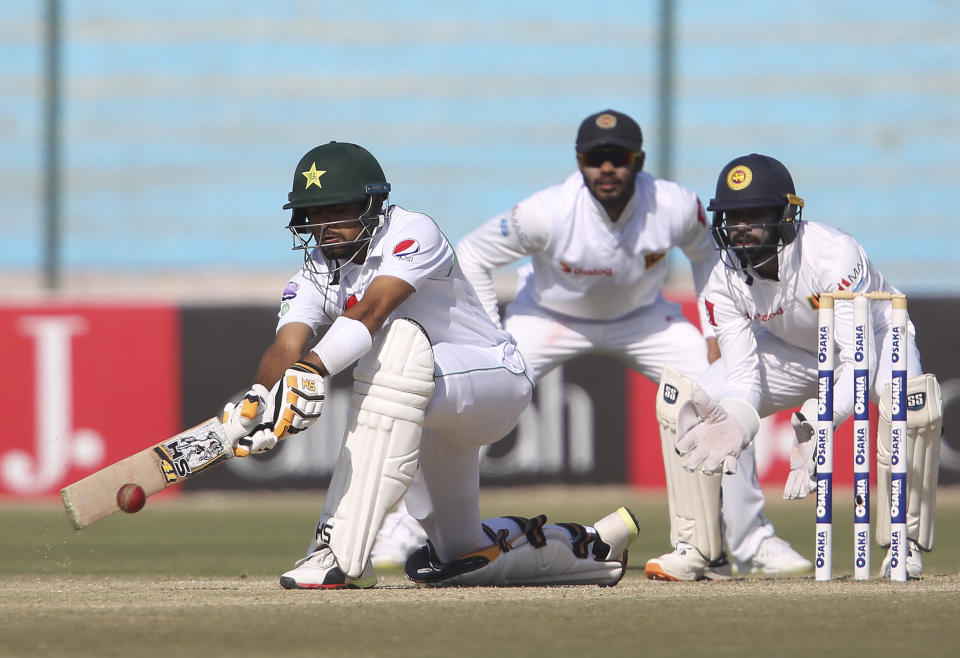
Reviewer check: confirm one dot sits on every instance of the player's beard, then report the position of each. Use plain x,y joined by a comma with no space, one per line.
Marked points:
344,251
616,196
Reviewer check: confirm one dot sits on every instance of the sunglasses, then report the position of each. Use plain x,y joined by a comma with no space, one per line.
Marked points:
616,157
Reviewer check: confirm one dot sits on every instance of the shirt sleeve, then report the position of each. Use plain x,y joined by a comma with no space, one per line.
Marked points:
500,241
416,250
738,342
843,265
700,249
303,300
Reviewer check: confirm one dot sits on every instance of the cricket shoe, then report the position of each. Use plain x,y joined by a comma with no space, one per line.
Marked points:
686,563
914,561
775,557
320,570
399,536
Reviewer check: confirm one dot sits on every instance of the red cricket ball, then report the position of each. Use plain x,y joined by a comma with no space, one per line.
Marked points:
131,498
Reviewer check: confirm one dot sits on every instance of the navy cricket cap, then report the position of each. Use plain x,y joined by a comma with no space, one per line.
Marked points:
609,128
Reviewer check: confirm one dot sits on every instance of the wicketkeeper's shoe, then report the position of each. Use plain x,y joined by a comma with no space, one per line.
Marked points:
320,570
775,557
914,561
686,563
399,536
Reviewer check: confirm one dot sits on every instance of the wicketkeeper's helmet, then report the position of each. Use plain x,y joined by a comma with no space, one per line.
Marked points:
756,181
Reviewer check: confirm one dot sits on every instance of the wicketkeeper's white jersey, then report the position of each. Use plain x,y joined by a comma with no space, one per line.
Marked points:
821,259
583,264
411,247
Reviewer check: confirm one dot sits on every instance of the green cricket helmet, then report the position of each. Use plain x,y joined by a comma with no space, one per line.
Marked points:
335,173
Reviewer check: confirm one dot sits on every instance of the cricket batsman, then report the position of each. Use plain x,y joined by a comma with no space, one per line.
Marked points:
434,380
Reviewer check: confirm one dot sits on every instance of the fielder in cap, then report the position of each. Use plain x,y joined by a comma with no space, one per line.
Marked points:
434,380
762,302
598,244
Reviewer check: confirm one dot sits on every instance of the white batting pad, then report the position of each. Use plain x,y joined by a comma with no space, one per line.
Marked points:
693,498
547,554
393,384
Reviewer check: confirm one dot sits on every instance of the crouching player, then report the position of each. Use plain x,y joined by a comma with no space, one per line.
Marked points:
762,300
435,379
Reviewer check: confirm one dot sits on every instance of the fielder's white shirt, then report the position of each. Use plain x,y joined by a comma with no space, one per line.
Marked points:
821,259
410,247
583,264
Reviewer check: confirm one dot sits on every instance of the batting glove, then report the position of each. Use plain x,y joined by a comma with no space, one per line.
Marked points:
242,418
293,404
803,477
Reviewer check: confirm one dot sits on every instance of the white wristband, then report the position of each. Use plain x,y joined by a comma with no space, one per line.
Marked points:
345,341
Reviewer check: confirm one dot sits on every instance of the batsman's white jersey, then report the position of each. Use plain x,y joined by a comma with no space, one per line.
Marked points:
768,329
481,380
410,247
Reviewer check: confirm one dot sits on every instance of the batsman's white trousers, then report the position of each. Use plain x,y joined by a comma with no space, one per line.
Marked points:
479,395
645,341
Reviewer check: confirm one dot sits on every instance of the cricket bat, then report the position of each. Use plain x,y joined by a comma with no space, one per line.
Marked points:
154,469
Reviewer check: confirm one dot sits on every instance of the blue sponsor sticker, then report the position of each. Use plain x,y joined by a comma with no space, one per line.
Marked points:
290,291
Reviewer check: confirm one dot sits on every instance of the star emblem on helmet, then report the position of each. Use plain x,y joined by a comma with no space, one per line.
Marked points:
313,176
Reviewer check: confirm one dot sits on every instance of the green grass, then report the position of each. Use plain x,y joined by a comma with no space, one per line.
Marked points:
198,576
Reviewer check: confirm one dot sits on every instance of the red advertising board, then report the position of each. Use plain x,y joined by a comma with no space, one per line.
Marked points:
772,446
83,386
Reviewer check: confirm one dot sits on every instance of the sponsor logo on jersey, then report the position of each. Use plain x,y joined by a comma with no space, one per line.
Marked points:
765,317
591,271
350,303
710,317
406,249
514,221
649,260
701,214
853,281
739,177
504,227
290,291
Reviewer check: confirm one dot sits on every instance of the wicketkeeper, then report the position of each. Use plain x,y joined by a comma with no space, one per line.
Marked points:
762,302
435,379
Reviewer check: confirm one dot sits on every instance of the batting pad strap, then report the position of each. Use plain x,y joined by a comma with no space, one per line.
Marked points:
345,341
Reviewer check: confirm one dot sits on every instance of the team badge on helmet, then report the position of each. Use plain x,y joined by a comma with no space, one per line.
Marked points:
739,177
313,176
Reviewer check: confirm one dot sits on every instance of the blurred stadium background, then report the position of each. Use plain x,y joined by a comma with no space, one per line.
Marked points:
179,125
